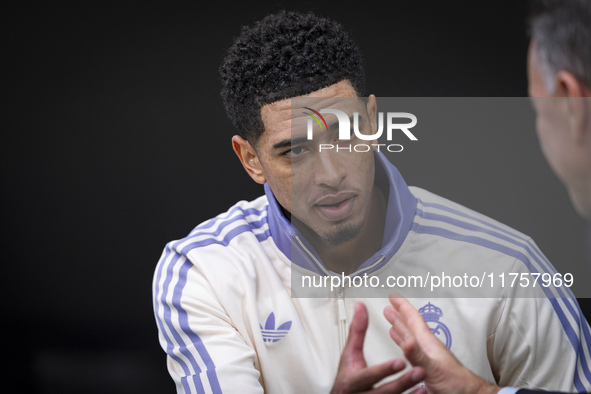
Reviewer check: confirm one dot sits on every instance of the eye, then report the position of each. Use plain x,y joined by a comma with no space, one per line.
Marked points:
295,151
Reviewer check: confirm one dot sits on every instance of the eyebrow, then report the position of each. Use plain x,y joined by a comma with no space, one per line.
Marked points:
289,142
295,141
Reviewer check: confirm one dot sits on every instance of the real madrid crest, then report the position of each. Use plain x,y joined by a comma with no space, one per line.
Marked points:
432,314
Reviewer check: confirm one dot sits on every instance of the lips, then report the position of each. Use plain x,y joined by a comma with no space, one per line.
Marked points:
336,208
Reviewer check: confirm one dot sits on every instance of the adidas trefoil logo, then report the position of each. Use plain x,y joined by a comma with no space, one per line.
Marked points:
272,334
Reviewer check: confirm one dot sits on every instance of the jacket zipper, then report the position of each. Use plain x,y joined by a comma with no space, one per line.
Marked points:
342,316
341,308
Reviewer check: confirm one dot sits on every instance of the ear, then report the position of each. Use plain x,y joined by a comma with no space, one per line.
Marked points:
567,85
576,108
372,110
249,159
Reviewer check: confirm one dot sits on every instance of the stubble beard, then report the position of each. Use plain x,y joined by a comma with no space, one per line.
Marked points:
342,234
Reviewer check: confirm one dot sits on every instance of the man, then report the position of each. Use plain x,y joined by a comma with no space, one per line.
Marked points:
223,295
559,75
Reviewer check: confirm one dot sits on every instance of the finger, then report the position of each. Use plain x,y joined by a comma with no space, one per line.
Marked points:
398,301
412,318
403,311
354,345
403,383
394,335
410,348
408,314
389,314
415,338
406,338
407,319
400,329
366,378
393,316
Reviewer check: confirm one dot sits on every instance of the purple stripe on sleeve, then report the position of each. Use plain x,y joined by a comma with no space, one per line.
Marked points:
183,320
472,227
227,238
472,217
167,266
245,212
534,252
537,257
170,344
183,317
223,225
570,332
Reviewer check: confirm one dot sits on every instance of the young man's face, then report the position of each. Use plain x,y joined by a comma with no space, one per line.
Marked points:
327,192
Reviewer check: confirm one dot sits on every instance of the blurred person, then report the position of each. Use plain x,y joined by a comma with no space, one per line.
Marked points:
559,77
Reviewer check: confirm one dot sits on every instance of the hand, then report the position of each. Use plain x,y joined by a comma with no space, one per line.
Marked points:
445,373
354,376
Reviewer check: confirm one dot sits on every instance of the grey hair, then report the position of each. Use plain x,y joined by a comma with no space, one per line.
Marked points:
561,30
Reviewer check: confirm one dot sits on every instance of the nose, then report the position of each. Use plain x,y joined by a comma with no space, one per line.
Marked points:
329,170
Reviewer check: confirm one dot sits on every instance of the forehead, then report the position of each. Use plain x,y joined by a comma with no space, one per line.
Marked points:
277,117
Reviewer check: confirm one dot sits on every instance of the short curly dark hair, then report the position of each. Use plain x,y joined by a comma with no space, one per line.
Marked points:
285,55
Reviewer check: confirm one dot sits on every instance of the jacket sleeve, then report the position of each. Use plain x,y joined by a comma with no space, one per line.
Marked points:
541,342
205,352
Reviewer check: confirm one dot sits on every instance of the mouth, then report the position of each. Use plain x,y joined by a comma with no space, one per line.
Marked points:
336,208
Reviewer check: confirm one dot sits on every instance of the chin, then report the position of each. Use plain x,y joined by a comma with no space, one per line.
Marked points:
343,234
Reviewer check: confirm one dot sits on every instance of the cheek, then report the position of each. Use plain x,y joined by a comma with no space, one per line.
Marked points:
279,179
546,138
553,146
360,172
546,130
541,131
365,166
282,190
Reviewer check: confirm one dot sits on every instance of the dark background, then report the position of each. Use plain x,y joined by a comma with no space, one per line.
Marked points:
115,142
